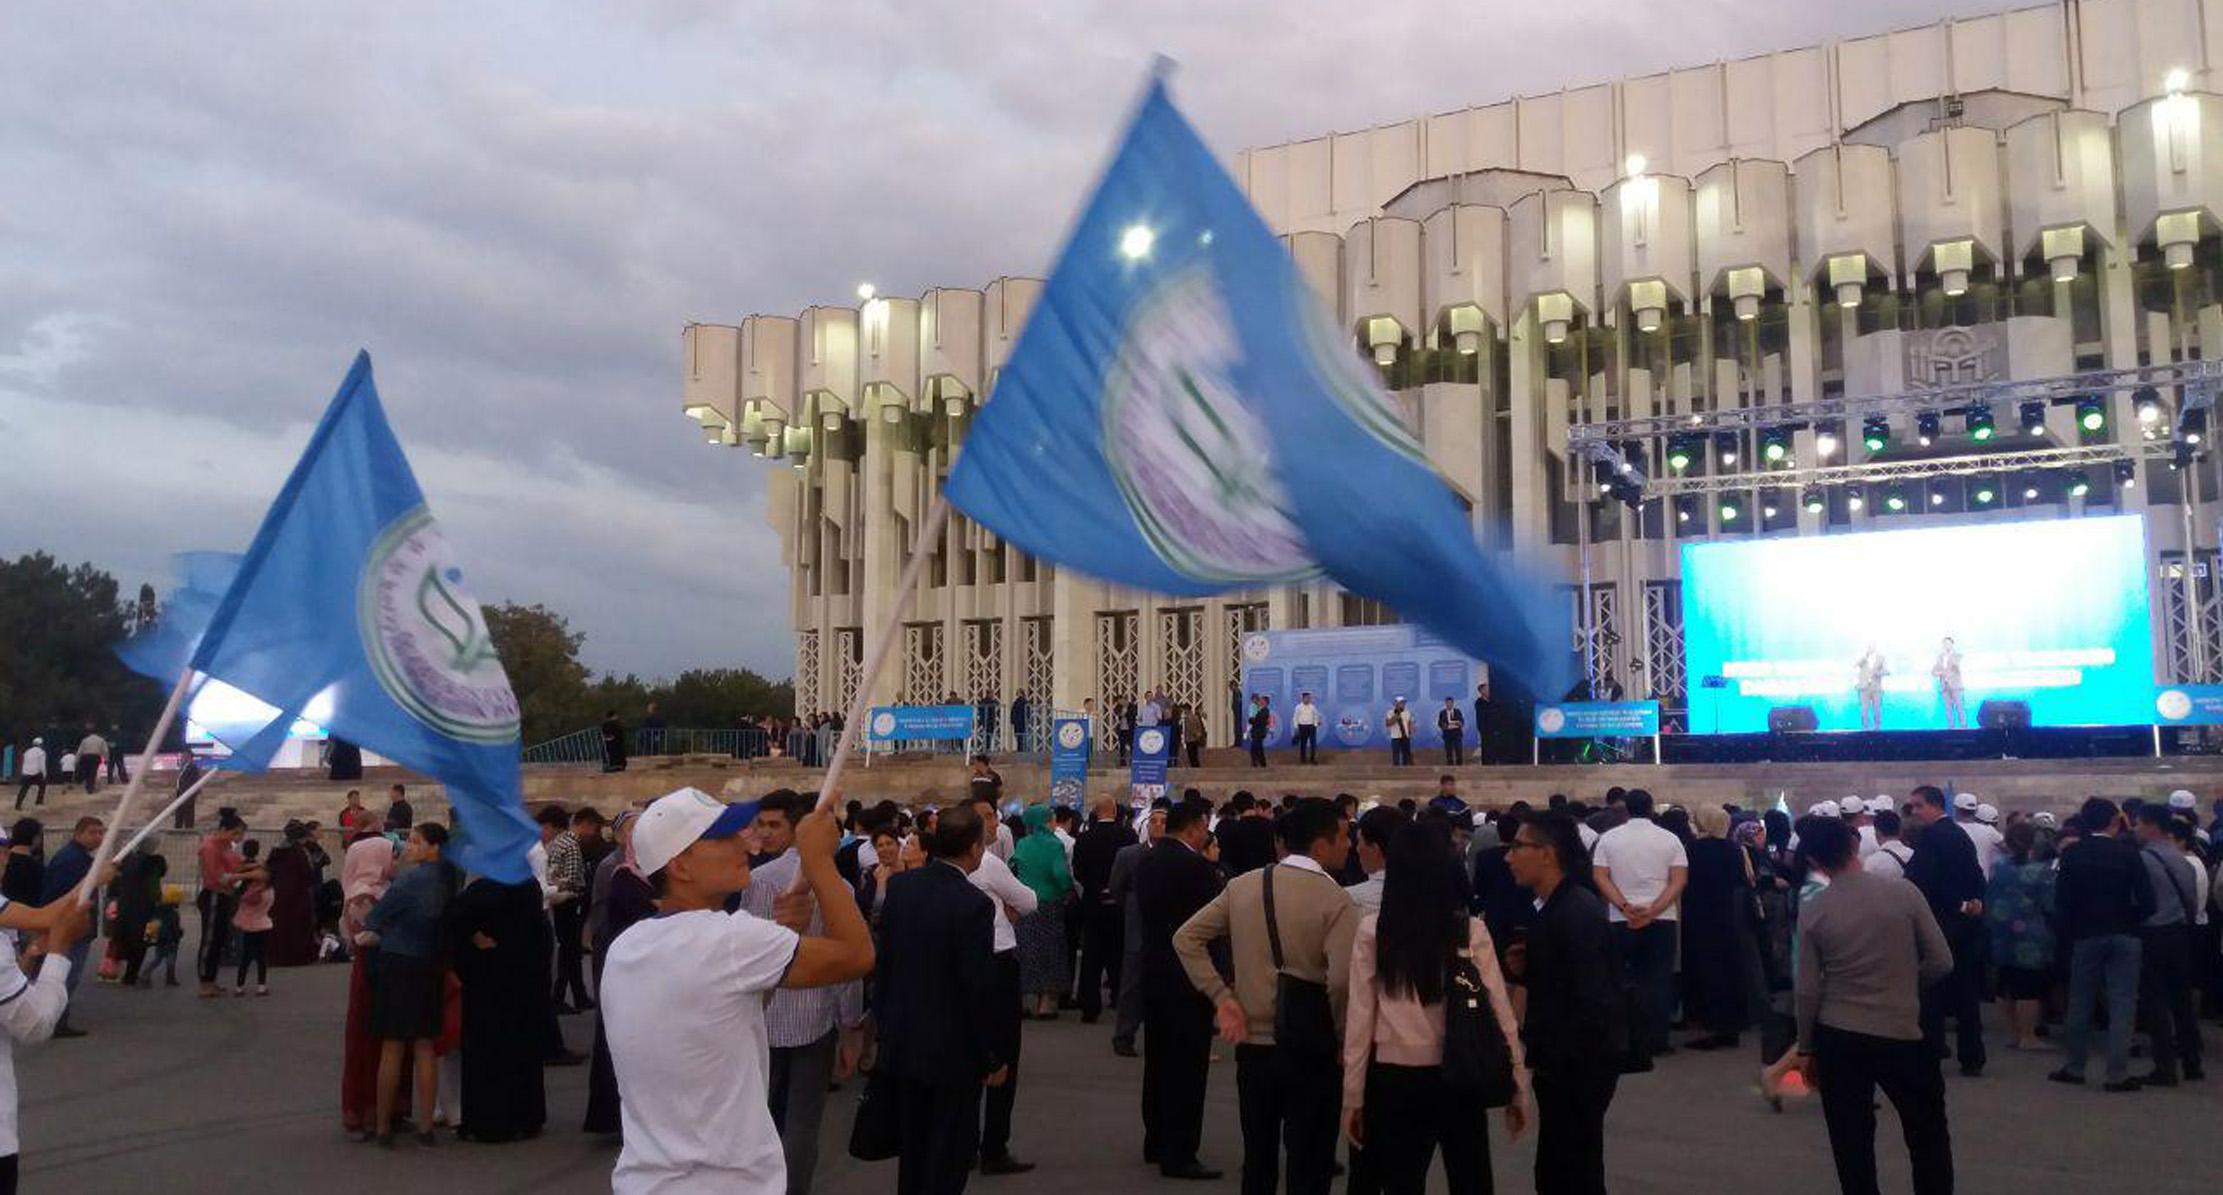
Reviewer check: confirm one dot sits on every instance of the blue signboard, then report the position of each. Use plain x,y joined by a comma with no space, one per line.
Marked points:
1354,675
2188,705
1069,747
896,723
1152,746
1598,720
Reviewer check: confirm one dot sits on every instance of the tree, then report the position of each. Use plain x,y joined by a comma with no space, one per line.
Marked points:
540,652
59,626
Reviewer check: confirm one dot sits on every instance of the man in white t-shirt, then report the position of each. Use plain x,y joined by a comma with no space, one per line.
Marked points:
683,998
1641,869
1989,841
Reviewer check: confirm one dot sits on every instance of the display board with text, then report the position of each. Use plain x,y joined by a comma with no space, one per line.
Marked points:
1355,676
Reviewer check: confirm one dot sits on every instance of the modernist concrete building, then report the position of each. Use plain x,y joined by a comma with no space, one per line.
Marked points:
2018,195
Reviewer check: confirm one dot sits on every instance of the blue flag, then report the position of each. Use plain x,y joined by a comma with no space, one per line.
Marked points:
165,649
1181,415
349,599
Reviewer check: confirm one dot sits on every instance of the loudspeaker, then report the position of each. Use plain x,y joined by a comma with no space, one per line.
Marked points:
1787,719
2003,715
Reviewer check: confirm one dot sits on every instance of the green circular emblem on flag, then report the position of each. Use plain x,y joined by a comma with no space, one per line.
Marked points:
427,639
1189,456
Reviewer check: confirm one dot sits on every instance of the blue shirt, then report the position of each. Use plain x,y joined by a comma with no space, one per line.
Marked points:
407,918
66,870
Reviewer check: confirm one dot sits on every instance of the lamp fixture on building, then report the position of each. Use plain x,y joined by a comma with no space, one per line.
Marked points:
1927,426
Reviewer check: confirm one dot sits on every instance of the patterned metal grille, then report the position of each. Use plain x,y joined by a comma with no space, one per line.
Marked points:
1242,619
922,663
806,673
984,660
1118,660
1181,639
2193,659
1597,632
1037,642
849,653
1663,642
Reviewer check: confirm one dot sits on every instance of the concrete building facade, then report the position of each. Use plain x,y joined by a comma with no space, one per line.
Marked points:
2020,195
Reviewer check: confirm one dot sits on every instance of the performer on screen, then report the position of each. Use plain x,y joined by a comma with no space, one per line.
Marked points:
1947,670
1869,685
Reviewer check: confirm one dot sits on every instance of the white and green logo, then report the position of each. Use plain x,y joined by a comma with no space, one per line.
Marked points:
427,639
1193,462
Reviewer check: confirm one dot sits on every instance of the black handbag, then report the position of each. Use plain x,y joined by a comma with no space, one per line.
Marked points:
876,1135
1477,1061
1304,1021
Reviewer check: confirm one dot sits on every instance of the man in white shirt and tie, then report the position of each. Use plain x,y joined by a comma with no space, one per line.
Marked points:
1305,721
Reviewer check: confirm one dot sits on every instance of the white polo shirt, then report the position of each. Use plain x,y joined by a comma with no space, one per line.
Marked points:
683,1007
29,1010
1639,853
994,877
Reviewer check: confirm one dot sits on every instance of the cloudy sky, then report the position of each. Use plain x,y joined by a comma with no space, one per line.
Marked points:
205,209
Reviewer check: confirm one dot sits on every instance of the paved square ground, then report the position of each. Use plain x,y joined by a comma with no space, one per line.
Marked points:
182,1095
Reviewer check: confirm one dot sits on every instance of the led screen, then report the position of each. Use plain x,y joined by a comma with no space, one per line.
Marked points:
2050,613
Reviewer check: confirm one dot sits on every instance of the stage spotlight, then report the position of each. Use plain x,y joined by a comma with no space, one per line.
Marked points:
1682,510
2126,475
2030,488
2192,425
1895,499
1875,432
1730,510
1726,446
1814,502
1978,421
1926,427
2033,419
2091,414
1985,492
1825,442
1768,509
2180,457
2079,484
1775,446
1678,454
1853,498
2148,402
1937,496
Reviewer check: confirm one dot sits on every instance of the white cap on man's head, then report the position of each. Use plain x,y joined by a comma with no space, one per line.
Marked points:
1966,802
677,820
2042,818
1825,809
1880,805
1987,813
2183,799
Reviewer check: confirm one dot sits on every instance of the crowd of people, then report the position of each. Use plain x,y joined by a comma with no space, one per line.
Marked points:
82,759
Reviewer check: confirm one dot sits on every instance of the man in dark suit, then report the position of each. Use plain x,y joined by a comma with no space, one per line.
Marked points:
936,970
1171,883
1944,868
1246,835
1101,919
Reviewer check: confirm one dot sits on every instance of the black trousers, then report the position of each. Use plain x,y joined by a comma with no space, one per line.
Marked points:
1102,946
1308,743
1959,995
1196,753
939,1134
995,1126
1400,753
570,919
1409,1115
1570,1130
2165,999
1287,1102
1176,1061
1848,1068
7,1174
1455,748
216,928
30,781
1258,753
254,948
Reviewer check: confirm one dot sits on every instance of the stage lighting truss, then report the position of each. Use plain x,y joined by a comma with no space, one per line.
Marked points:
2060,459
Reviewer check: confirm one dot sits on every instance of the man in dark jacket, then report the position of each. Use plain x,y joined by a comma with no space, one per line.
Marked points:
1171,883
1101,918
935,972
64,872
1577,1031
2099,897
1944,868
1246,835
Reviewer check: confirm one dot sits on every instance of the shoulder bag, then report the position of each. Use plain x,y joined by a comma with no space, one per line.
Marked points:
1477,1061
1304,1021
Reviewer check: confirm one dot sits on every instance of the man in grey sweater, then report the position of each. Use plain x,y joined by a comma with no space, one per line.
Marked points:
1867,947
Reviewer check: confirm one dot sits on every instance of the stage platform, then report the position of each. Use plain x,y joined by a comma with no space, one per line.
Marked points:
269,800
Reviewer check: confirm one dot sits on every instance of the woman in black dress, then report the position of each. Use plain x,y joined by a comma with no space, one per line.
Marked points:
25,879
504,952
1714,931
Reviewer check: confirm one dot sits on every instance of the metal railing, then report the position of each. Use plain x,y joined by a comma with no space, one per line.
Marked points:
803,744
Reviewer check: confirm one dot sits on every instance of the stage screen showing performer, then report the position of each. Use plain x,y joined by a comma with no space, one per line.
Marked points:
1919,629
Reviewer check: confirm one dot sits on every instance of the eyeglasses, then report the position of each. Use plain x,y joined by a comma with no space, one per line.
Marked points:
1521,843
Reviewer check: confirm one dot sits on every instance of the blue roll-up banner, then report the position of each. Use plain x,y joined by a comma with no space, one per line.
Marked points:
2188,705
1070,739
895,723
1598,720
1153,744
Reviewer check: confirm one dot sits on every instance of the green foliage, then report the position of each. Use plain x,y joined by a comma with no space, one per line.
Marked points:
558,695
59,626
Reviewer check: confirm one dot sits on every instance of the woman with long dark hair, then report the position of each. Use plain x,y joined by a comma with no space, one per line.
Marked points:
1716,904
1397,1104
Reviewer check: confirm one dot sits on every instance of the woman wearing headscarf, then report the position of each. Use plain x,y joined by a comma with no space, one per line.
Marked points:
623,897
1713,930
503,952
1039,862
137,893
365,873
293,900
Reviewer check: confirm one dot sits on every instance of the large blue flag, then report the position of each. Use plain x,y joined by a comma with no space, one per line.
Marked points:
1182,415
165,649
350,595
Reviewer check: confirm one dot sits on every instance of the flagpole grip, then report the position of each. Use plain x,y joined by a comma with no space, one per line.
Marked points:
138,777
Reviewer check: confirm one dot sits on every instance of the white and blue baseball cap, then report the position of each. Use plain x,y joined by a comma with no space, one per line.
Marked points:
678,820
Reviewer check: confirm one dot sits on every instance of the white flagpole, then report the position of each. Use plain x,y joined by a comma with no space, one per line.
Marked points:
139,777
861,704
191,791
